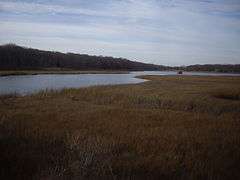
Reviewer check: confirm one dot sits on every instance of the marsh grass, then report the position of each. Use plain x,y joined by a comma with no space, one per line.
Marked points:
166,128
228,94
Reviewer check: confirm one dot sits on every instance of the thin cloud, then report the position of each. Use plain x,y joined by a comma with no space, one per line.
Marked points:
113,10
171,32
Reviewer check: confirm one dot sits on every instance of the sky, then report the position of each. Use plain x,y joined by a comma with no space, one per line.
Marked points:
167,32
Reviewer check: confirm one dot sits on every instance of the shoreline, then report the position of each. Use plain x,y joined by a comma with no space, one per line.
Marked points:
39,72
72,72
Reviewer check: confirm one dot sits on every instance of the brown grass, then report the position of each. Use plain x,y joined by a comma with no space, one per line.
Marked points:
169,128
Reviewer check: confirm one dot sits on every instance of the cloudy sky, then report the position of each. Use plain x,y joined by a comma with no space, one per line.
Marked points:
168,32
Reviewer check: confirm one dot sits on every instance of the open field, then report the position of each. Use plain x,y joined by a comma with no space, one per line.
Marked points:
172,127
56,71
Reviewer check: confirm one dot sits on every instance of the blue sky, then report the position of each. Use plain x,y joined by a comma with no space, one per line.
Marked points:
168,32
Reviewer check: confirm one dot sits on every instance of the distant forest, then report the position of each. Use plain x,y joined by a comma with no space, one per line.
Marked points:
13,57
225,68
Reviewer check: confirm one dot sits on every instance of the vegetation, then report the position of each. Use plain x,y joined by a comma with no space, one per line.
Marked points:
20,58
233,68
172,127
56,71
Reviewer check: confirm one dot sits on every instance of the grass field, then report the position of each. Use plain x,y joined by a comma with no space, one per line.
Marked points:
172,127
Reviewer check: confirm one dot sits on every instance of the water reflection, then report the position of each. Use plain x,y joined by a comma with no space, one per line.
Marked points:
27,84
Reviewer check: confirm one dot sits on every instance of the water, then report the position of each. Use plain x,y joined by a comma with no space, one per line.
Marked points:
28,84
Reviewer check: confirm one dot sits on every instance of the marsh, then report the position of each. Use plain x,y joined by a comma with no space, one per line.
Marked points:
170,127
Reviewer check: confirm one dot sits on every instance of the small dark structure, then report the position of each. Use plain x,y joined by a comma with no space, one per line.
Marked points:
180,72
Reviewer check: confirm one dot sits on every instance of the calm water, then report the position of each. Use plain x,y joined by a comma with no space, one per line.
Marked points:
27,84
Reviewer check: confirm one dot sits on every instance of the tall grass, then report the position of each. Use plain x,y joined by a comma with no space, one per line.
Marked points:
228,94
167,128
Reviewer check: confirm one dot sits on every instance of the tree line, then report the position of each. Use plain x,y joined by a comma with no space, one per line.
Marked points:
233,68
13,57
